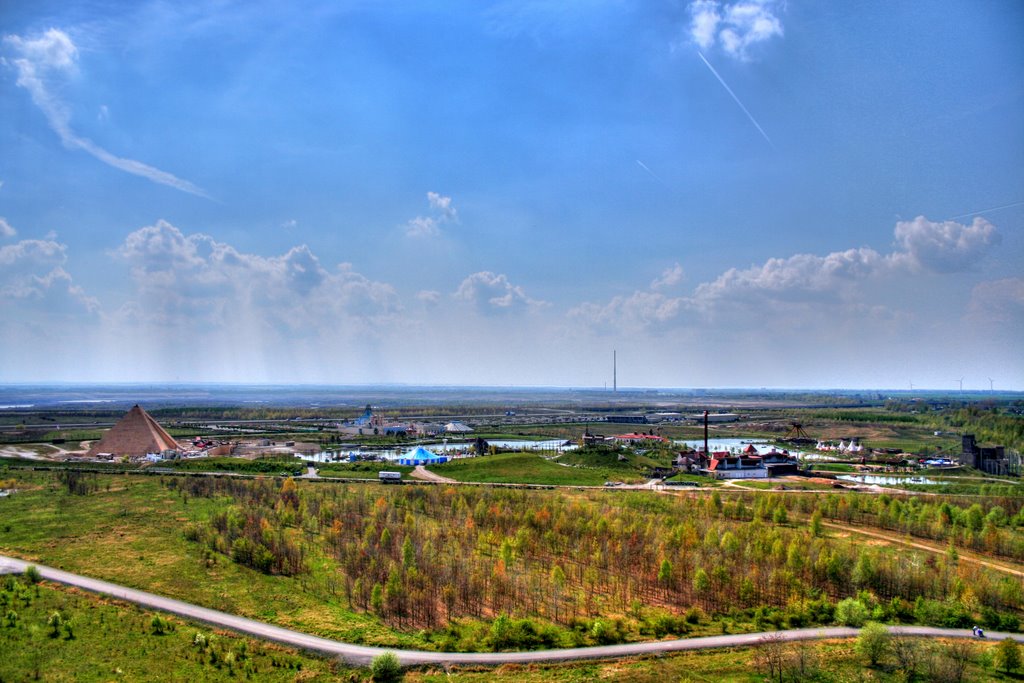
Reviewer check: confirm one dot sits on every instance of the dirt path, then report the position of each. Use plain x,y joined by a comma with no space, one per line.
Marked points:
964,555
421,472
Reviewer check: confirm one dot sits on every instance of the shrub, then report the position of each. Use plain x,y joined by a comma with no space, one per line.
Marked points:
851,612
386,668
32,574
160,626
873,642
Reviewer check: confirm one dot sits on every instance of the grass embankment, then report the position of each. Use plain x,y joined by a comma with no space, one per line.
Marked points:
285,466
832,467
360,470
529,468
93,638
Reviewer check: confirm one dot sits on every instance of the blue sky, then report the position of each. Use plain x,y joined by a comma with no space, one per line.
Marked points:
751,193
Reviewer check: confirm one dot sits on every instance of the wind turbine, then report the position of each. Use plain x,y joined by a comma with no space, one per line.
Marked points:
991,385
961,381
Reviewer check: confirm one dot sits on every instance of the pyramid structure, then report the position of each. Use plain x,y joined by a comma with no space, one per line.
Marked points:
136,434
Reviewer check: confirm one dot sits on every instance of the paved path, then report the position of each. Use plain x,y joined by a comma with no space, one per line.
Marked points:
363,655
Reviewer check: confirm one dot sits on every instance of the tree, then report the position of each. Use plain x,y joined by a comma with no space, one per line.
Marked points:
665,572
816,523
873,642
780,516
55,622
377,598
701,583
386,668
408,553
1008,655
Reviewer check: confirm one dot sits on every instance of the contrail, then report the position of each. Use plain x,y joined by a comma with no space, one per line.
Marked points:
729,90
994,208
652,173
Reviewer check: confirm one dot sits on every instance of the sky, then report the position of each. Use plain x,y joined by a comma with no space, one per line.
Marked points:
725,193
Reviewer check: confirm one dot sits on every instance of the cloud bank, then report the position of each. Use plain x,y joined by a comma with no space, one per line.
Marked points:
189,303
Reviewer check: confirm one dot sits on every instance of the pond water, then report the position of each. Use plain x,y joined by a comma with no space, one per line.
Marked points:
737,445
886,480
462,448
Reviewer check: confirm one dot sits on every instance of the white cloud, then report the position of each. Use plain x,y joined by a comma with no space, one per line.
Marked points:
946,245
290,224
6,230
670,277
493,293
704,22
443,205
797,277
33,282
430,226
186,279
733,26
804,286
53,55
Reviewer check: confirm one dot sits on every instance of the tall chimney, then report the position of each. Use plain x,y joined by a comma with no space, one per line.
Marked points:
707,453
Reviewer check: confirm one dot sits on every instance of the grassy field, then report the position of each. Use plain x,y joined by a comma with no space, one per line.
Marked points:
130,533
530,468
98,639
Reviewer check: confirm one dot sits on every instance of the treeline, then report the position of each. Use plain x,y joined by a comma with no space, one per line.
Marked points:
988,424
424,556
282,465
865,416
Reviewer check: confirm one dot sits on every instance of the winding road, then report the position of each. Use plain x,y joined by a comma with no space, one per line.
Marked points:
362,655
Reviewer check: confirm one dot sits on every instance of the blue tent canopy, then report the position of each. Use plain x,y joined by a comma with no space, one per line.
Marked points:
421,456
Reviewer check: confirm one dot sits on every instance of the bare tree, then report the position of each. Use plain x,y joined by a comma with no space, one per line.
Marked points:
802,660
907,652
961,653
948,662
770,656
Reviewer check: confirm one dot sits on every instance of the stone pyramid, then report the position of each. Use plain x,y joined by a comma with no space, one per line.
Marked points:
136,434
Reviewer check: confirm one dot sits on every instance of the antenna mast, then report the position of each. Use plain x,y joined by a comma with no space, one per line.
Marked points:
615,371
